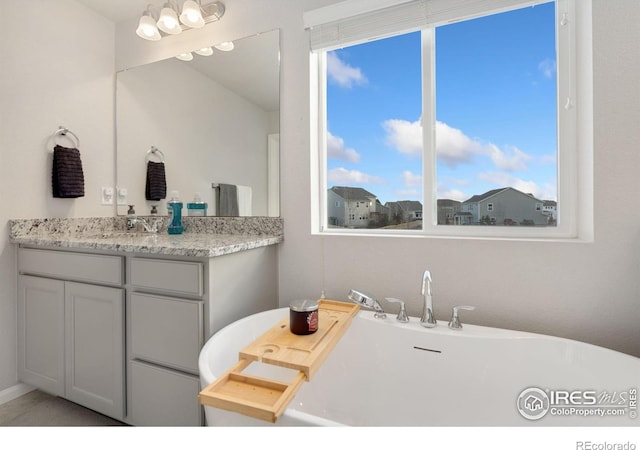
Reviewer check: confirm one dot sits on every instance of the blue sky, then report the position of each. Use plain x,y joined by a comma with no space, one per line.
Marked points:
495,109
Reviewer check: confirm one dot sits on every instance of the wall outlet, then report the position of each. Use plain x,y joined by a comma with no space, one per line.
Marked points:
107,196
122,196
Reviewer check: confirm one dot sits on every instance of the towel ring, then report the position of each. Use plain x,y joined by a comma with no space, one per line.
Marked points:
154,151
64,131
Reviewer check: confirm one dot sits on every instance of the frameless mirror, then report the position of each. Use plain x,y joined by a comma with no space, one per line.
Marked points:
214,121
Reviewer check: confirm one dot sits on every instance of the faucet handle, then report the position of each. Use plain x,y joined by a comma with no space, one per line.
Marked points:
402,314
455,324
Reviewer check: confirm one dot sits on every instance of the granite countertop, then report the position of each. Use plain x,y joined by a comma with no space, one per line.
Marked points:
93,236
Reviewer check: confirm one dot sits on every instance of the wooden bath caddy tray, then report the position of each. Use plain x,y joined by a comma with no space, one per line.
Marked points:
267,399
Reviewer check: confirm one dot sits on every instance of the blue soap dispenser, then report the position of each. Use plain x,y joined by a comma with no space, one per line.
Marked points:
197,207
174,206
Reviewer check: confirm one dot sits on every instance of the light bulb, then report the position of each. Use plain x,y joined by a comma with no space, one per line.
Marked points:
206,51
168,21
191,15
147,29
185,56
225,46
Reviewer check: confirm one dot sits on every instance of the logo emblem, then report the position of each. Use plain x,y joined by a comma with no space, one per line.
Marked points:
533,403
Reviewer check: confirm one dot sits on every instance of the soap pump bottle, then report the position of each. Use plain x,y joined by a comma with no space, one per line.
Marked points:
197,207
174,207
131,220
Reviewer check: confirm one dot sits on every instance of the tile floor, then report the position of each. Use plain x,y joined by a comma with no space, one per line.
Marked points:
38,409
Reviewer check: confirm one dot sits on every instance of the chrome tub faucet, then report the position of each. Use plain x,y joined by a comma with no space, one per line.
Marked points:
368,302
427,320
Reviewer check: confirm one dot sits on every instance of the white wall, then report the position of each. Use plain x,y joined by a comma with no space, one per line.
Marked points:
56,70
589,292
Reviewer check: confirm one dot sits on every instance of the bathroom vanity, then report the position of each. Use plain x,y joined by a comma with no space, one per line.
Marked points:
115,322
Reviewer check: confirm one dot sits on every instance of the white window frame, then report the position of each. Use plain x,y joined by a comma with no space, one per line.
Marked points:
574,94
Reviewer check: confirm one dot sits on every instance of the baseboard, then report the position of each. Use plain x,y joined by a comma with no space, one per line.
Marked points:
14,392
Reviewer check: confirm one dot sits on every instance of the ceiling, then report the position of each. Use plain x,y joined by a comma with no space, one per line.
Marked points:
118,10
251,69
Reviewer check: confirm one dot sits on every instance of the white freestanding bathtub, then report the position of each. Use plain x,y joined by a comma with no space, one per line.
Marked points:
385,373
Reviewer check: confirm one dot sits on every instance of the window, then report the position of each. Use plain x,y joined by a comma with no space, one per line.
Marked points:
426,113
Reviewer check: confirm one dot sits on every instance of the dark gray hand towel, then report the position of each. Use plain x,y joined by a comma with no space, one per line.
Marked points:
67,177
156,186
227,200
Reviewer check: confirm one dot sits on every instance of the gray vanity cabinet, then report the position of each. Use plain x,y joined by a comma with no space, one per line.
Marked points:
71,334
121,332
165,333
174,304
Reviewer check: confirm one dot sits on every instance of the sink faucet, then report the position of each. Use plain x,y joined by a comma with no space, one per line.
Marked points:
149,228
427,320
368,301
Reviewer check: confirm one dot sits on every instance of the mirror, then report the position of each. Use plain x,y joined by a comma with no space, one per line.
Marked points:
214,120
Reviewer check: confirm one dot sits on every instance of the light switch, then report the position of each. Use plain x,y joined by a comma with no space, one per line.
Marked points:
107,196
122,196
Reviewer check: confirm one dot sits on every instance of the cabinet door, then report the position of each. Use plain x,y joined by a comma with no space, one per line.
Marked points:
94,347
163,397
41,333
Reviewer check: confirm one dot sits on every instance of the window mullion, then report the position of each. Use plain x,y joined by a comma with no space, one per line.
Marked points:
429,186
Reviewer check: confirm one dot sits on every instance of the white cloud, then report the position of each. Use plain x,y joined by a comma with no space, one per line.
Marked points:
411,179
547,67
340,175
336,149
404,136
342,73
451,194
452,145
509,159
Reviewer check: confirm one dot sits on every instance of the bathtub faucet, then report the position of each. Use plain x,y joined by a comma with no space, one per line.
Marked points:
427,320
367,301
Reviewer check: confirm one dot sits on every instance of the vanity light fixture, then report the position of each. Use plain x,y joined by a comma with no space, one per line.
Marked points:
185,56
147,28
225,46
206,51
168,21
192,15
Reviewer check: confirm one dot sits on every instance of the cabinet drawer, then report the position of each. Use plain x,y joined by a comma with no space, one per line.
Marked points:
166,331
101,269
176,277
161,397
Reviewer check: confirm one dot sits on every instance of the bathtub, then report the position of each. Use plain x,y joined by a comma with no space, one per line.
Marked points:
386,373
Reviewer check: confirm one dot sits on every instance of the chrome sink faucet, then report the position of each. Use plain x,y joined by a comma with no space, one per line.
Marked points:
427,320
149,228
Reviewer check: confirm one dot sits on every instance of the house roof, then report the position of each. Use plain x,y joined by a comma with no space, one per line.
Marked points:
353,193
445,202
480,197
405,205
